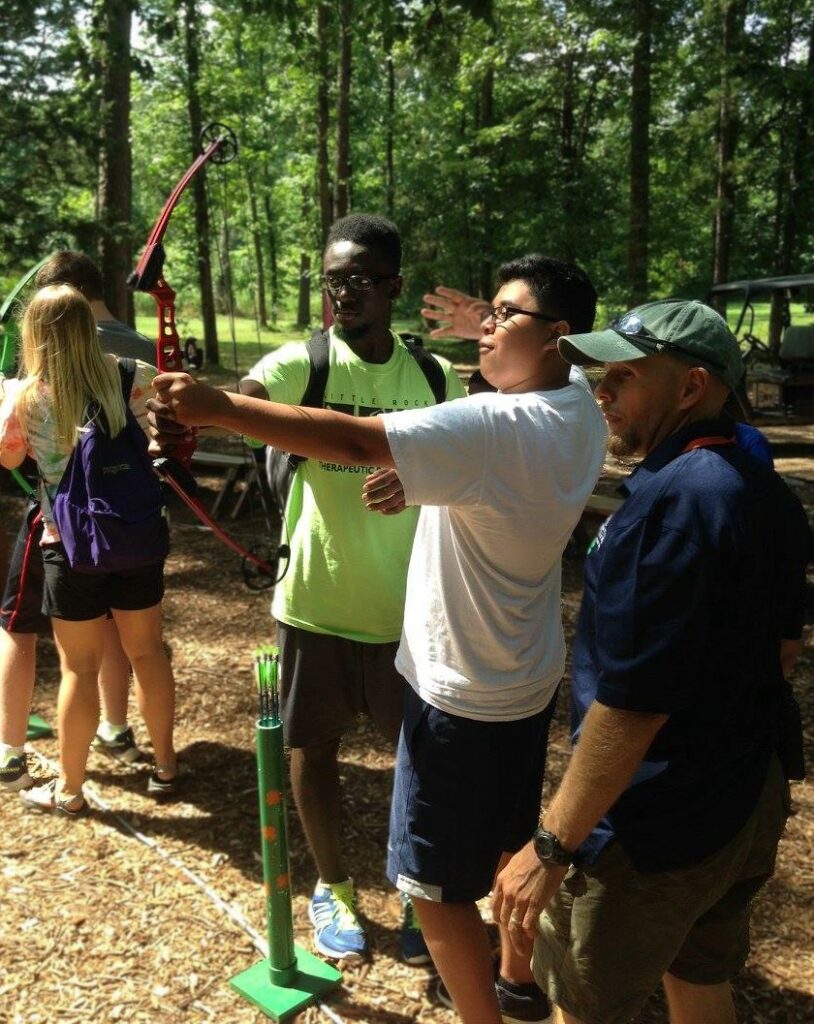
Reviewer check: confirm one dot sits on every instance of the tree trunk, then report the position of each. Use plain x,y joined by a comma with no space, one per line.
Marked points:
793,186
568,150
259,262
272,243
225,287
193,62
390,124
114,19
487,118
304,297
800,176
734,12
342,176
323,121
640,104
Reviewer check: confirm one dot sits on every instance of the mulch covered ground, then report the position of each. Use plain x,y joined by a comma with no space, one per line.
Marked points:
99,925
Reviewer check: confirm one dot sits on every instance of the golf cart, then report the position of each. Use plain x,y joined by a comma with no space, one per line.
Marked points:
778,354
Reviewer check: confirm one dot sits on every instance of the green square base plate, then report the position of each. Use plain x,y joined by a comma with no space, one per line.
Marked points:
314,978
37,728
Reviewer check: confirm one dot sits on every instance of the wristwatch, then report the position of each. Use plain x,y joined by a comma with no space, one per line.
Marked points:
549,849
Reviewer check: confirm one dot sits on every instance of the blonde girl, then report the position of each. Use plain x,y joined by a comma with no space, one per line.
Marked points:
63,371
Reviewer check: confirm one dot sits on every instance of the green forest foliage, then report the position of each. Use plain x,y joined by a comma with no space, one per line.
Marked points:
509,122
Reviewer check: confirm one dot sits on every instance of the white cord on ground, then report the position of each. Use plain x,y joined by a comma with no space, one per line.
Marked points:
259,943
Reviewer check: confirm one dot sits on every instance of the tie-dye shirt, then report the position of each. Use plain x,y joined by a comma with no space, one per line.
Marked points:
36,435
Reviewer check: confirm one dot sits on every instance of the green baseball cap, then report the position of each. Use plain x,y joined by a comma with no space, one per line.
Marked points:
684,328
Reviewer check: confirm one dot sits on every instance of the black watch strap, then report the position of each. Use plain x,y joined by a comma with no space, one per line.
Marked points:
550,850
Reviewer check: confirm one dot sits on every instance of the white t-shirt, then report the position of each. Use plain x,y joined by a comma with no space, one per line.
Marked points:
502,481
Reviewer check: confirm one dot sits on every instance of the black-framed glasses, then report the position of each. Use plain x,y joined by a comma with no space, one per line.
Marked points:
334,283
630,326
500,314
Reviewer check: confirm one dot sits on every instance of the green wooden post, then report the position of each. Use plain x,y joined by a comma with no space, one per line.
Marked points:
276,878
291,977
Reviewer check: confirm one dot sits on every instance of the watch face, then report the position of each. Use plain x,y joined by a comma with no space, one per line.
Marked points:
548,848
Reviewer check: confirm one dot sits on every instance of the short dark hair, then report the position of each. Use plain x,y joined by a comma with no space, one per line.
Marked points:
561,289
371,231
70,267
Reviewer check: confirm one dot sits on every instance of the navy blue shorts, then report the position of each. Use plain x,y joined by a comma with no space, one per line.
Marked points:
464,793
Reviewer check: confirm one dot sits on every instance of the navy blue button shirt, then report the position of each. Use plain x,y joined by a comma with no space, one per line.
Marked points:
689,589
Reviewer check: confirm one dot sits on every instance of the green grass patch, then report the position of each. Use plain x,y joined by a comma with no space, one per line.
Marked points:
760,328
251,344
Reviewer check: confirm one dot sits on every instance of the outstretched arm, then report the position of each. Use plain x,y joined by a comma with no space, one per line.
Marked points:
313,433
463,313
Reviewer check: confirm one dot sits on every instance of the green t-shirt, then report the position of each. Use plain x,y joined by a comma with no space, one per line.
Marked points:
348,567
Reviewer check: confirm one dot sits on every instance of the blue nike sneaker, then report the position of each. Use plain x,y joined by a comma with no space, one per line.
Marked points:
337,930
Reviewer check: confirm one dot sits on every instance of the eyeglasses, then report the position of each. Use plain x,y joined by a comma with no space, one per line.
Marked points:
334,283
631,326
500,314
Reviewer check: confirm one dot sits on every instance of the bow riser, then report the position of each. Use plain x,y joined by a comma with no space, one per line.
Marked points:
149,277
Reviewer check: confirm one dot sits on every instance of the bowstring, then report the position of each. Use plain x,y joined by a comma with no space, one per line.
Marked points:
225,267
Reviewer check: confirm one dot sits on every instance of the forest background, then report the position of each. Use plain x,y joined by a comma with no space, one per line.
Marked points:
663,145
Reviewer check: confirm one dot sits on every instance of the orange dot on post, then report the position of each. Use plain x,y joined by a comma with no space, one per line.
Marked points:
282,882
270,833
274,797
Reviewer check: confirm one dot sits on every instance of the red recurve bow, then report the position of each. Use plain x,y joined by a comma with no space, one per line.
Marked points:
219,146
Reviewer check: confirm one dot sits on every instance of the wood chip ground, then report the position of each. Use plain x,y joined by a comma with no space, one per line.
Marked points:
99,927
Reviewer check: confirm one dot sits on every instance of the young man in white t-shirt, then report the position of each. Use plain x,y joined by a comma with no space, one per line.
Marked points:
502,480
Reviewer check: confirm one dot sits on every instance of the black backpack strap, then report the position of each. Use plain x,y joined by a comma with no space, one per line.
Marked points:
430,367
318,348
127,372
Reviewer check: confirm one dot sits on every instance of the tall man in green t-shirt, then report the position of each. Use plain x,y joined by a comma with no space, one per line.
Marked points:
339,608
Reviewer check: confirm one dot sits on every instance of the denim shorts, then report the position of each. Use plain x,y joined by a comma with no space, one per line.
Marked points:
464,793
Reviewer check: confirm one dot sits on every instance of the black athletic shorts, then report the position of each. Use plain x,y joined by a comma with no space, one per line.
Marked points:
327,681
79,596
21,609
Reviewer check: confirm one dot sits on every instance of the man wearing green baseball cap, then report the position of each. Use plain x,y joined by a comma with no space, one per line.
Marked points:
689,331
668,817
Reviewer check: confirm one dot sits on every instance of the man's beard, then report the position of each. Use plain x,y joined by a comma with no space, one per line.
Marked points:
351,333
623,446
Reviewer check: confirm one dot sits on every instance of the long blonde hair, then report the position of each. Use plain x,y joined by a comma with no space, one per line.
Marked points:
60,349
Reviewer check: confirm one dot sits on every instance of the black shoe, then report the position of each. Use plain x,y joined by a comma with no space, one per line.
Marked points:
442,994
158,787
14,775
519,1004
122,747
522,1003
